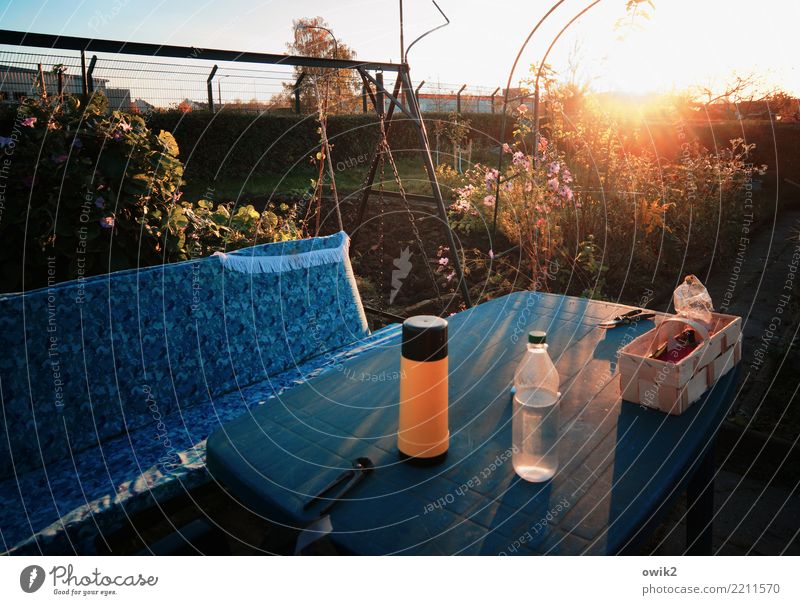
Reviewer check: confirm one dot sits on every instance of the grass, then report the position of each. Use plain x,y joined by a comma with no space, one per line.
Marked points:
297,181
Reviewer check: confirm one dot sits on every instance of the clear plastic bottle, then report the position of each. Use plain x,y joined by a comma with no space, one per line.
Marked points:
535,420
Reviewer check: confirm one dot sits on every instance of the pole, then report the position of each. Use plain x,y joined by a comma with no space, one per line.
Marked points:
416,90
496,90
90,74
425,149
210,87
458,99
84,84
402,45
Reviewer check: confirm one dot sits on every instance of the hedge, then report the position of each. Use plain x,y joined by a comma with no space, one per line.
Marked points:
234,144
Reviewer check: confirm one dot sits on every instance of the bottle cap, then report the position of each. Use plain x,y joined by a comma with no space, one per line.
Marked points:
537,337
425,338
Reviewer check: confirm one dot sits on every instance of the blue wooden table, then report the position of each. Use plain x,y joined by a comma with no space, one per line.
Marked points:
621,464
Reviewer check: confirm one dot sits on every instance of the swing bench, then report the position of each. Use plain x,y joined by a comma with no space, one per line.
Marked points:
110,385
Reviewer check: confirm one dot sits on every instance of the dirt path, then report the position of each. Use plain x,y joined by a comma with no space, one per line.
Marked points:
757,497
761,285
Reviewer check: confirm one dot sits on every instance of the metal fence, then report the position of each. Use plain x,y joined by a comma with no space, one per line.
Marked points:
152,84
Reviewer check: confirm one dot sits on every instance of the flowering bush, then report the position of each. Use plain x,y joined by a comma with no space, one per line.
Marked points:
612,214
85,191
536,200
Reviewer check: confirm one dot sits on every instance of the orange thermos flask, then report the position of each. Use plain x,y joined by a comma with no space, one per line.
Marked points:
423,432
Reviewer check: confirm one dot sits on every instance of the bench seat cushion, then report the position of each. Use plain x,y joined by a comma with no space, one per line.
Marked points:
65,506
95,359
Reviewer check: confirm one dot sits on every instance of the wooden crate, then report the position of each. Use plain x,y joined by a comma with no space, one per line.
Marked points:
672,387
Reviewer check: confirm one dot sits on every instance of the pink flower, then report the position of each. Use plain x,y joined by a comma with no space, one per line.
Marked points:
488,200
490,178
465,191
491,253
519,159
450,276
565,192
444,261
542,144
522,108
29,122
541,223
124,126
506,148
460,205
566,175
553,184
107,222
553,168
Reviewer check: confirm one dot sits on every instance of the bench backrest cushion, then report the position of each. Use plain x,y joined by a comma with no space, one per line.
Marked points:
87,360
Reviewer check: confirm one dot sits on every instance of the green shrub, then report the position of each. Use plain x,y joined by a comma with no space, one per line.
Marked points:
85,192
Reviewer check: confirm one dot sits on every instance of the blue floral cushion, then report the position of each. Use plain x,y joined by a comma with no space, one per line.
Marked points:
90,363
68,506
85,361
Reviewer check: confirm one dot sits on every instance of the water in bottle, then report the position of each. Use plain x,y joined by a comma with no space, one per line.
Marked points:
535,420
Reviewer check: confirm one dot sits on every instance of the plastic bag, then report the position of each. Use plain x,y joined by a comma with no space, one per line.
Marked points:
692,300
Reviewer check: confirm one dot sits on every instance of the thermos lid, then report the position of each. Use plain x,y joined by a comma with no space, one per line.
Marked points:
425,338
537,337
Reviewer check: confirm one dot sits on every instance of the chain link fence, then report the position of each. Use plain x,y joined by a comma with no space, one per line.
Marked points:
147,85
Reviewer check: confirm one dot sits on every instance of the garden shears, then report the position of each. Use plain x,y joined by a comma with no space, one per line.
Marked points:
625,319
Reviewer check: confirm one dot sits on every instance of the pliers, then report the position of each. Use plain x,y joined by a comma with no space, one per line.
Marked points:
628,318
352,477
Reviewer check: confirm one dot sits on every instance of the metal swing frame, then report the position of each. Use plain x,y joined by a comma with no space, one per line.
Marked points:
403,98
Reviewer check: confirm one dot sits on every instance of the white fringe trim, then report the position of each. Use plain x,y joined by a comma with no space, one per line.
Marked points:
242,263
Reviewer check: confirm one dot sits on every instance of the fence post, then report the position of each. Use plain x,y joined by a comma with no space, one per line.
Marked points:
458,99
416,91
84,85
496,90
210,87
90,75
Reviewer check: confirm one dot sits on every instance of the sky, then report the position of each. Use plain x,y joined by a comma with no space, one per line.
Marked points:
686,42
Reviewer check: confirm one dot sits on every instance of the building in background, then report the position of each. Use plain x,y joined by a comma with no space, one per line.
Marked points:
18,83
